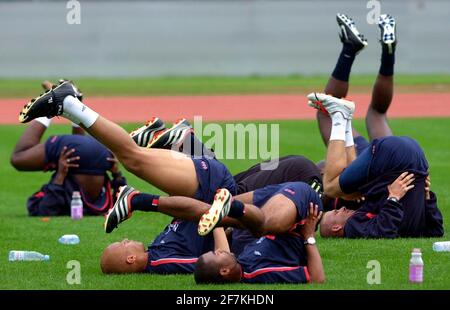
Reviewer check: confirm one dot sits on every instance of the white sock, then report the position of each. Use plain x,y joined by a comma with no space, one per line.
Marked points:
44,121
338,125
349,134
78,113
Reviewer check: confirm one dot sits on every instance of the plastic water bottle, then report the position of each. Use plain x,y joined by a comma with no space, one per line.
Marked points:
442,246
27,256
69,239
76,206
416,267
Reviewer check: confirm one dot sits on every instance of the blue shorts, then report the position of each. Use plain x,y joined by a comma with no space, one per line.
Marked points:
212,175
384,155
92,154
361,144
301,194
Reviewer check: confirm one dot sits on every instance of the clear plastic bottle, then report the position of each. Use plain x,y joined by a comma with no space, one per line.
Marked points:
416,267
69,239
27,256
76,206
442,246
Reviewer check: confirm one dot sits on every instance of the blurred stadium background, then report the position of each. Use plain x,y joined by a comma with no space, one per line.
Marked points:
220,37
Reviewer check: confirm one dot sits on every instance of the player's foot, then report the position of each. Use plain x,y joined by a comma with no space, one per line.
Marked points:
48,104
169,137
330,105
143,135
388,39
121,210
349,34
219,209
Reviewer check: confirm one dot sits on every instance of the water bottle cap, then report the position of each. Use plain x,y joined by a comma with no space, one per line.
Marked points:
46,257
416,251
76,194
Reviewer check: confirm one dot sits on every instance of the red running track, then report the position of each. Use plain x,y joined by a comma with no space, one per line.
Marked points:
245,107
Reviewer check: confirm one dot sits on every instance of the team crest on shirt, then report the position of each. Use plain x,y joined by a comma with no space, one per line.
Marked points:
290,191
203,165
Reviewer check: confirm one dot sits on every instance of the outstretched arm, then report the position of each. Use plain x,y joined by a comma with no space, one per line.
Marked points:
220,240
315,266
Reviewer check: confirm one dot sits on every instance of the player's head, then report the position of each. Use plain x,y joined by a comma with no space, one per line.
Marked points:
333,222
217,267
126,256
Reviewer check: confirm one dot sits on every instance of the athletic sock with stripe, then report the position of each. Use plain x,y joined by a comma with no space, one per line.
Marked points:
145,202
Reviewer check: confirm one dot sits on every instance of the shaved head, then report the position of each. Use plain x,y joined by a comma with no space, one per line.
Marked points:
333,222
126,256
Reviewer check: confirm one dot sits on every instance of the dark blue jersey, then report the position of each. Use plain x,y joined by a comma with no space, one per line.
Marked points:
177,248
274,259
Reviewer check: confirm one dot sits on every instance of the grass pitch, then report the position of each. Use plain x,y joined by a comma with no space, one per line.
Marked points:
345,261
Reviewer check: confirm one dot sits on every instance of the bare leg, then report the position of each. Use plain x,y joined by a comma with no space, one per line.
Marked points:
192,210
335,163
170,171
338,89
376,119
29,153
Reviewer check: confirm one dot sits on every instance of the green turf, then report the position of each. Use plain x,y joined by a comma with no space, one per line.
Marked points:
344,260
210,85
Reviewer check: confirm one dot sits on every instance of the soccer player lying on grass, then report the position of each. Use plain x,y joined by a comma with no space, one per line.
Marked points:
289,256
277,209
391,173
81,164
180,137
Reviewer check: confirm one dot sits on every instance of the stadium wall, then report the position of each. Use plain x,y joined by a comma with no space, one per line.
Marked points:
161,38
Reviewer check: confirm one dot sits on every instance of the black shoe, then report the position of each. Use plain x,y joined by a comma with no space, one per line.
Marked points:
121,210
387,26
166,139
143,135
48,104
349,34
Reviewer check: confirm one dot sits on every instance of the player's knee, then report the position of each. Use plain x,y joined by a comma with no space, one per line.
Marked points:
16,162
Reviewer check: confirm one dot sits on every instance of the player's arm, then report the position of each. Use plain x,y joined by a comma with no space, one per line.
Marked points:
387,222
315,266
220,240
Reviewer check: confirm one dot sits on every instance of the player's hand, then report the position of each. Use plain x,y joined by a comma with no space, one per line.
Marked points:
65,162
427,188
46,85
314,215
401,185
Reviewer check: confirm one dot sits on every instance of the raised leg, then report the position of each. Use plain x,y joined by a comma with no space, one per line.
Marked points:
170,171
